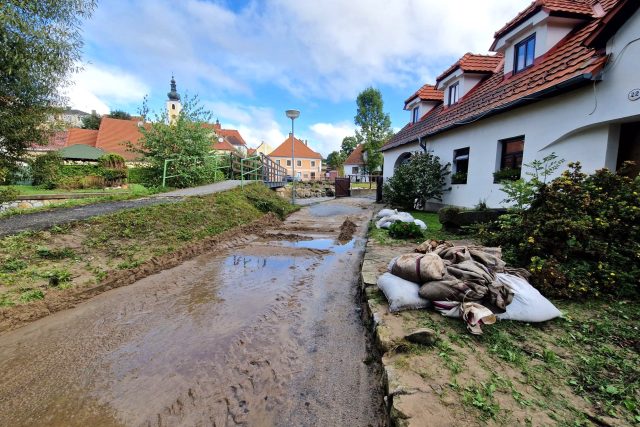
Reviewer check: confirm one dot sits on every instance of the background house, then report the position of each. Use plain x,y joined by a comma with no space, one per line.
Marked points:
308,163
556,83
354,166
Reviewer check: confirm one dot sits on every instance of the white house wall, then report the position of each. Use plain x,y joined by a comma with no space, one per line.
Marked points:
581,125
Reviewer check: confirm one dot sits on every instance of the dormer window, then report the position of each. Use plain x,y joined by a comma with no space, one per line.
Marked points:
453,93
524,53
415,114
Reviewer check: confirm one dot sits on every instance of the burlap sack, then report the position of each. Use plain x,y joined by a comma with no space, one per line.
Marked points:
419,268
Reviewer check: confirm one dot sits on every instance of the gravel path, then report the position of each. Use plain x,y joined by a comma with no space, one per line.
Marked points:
46,219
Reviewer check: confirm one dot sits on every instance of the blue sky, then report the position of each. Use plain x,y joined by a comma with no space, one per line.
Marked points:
248,61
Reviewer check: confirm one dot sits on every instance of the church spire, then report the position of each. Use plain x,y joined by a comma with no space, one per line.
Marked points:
173,95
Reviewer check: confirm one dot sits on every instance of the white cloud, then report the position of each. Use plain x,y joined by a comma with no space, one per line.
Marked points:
327,137
96,87
323,49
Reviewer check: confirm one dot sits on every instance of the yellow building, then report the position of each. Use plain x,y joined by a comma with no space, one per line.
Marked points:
308,163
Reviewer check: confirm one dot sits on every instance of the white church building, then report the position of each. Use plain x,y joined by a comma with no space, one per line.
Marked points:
564,78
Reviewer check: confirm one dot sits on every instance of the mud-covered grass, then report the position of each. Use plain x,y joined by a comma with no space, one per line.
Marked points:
582,369
34,263
434,231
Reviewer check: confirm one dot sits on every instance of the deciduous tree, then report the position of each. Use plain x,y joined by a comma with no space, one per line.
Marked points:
92,121
39,47
375,127
349,143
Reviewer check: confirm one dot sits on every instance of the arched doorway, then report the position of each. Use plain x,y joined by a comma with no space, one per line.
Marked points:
402,159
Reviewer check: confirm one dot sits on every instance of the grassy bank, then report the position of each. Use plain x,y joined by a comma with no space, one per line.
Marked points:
35,263
434,231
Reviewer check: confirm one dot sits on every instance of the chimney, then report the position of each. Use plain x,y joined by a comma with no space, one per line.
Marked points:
306,142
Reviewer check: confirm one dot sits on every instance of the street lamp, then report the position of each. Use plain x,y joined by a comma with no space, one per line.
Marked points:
293,114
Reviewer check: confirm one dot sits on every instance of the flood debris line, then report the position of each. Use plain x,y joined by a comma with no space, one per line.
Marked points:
16,316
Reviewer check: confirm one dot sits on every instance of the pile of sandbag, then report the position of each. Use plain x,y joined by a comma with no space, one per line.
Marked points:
386,217
470,282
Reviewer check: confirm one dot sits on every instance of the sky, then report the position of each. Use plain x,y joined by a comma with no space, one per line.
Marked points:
249,61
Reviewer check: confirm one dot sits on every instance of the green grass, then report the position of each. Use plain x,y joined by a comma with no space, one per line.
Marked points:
29,190
135,191
364,185
72,254
434,231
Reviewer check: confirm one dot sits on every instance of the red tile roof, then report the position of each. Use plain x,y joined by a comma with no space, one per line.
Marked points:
472,63
355,158
82,136
567,65
570,7
231,135
55,142
224,145
426,93
114,134
301,150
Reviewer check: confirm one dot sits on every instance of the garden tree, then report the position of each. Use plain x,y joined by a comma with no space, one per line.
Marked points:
375,127
92,121
414,183
335,160
119,114
186,141
349,143
39,48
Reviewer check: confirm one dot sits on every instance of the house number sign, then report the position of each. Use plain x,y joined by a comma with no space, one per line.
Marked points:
634,95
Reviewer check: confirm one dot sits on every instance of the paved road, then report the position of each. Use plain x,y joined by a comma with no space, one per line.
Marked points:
265,334
46,219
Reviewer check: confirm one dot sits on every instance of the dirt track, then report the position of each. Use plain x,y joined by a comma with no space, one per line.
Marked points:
264,334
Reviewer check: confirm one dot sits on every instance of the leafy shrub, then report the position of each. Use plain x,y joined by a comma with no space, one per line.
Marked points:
141,175
405,230
8,194
81,182
414,183
47,169
112,161
579,237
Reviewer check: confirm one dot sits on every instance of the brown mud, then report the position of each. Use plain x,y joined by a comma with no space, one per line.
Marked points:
262,332
347,229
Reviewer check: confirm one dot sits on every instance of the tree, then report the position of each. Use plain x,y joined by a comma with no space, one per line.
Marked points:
349,143
375,127
119,114
39,47
92,121
335,160
414,183
186,141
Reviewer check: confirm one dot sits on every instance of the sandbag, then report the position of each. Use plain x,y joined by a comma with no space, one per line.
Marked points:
390,219
386,212
401,294
528,304
419,268
420,223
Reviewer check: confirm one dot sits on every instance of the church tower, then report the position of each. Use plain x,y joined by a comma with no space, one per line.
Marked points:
173,103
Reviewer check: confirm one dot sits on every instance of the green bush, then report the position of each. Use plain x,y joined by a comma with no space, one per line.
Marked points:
507,175
579,237
416,182
8,194
405,230
141,176
81,170
47,169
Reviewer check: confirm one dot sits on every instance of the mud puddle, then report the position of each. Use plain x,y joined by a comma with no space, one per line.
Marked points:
264,334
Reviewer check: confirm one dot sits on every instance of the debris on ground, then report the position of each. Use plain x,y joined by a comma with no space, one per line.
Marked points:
347,229
386,217
468,282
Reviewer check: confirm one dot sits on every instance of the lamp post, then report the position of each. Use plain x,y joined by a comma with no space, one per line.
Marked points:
293,114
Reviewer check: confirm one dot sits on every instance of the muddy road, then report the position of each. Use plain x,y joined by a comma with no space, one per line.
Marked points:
268,333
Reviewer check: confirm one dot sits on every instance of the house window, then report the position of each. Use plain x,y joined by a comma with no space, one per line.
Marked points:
524,53
460,165
173,106
313,163
288,162
453,93
313,175
355,170
299,163
278,162
510,159
414,114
